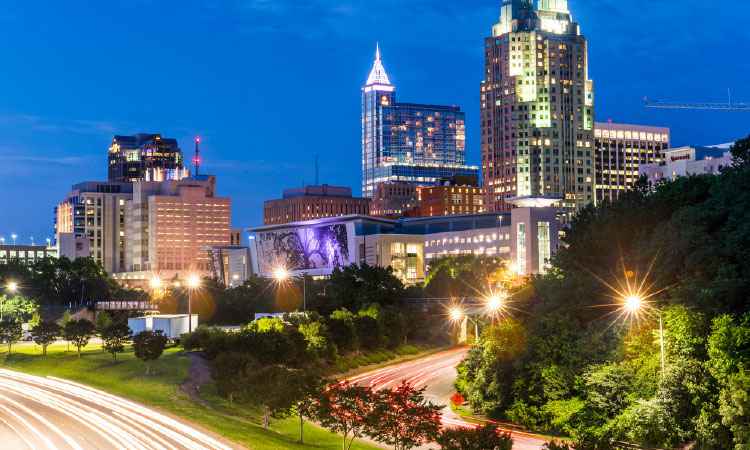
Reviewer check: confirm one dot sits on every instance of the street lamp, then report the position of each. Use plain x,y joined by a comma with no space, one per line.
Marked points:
192,283
14,236
634,303
49,242
282,275
32,241
2,240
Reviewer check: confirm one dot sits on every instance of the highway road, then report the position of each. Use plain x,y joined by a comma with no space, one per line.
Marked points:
51,413
437,373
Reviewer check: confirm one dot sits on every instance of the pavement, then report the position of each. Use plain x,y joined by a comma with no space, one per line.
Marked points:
51,413
436,373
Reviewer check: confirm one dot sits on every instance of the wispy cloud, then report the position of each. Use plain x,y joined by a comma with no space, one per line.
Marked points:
58,125
438,22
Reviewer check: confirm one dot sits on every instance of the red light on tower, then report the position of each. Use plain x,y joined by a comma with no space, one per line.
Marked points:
197,159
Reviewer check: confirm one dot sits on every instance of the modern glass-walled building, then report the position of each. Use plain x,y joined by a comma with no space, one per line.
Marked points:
408,142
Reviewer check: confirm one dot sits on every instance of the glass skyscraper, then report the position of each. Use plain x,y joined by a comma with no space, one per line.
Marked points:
537,108
408,142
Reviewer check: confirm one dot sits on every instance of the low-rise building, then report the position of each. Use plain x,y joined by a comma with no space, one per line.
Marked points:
394,200
313,202
451,195
26,254
683,161
527,236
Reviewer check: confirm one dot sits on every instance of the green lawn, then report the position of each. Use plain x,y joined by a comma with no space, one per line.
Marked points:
162,391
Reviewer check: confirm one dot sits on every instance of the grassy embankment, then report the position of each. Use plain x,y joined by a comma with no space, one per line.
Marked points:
162,391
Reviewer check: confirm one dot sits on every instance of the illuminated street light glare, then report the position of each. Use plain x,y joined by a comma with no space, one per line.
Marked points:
494,302
633,303
193,281
12,287
281,274
156,283
456,314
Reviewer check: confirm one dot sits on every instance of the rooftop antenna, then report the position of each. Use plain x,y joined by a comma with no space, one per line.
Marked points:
316,170
197,159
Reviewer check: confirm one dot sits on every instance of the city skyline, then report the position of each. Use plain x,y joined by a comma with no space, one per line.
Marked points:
62,107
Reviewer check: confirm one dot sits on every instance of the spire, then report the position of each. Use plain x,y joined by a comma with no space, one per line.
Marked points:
378,75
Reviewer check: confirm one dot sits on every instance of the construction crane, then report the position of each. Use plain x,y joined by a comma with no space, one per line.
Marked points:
697,105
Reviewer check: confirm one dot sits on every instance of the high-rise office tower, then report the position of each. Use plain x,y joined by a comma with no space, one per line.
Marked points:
621,149
408,142
168,222
96,210
130,157
537,108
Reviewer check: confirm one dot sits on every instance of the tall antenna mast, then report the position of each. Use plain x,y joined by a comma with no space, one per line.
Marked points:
197,159
316,170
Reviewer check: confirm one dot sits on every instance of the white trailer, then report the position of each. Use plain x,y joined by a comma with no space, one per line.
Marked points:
139,324
173,325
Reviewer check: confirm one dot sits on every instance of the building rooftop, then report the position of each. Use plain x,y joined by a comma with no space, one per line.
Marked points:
318,191
140,139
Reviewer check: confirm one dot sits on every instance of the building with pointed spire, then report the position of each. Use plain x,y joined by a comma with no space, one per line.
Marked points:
408,142
537,109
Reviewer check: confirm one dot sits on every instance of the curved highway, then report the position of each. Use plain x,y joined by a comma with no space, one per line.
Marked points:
437,373
51,413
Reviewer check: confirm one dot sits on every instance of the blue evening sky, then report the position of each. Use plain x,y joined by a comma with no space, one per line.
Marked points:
267,84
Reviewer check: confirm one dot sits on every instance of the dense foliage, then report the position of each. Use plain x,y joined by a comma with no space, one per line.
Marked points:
575,362
60,281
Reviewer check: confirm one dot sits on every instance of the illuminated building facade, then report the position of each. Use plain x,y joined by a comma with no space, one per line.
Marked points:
167,223
526,237
620,150
96,210
455,195
394,200
684,161
313,202
537,108
131,156
408,142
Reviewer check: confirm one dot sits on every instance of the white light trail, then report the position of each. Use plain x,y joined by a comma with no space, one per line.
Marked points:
102,417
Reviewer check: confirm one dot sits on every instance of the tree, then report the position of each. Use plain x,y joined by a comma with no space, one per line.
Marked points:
10,332
741,152
345,409
230,371
149,345
114,337
305,389
45,334
403,418
268,387
480,438
66,317
734,407
19,309
101,322
79,332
